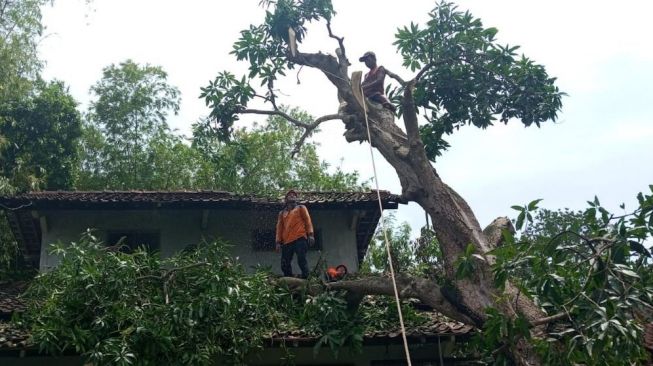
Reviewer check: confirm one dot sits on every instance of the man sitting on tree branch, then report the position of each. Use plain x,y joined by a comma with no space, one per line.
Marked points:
373,81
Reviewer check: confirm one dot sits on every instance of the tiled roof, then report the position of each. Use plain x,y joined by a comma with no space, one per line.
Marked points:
9,301
65,199
13,337
436,325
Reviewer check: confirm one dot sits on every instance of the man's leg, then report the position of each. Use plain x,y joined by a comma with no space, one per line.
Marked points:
301,247
286,259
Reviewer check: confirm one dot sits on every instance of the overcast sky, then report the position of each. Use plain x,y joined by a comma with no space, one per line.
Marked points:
600,51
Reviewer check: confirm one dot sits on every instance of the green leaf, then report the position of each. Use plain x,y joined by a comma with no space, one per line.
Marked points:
520,220
627,272
638,248
533,204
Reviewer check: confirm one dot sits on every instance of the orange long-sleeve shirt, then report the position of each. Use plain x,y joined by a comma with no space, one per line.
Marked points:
293,224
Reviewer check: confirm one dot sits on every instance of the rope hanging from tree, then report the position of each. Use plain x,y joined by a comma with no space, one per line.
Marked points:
356,81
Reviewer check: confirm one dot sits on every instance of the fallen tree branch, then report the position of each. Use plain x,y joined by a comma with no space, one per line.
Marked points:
425,290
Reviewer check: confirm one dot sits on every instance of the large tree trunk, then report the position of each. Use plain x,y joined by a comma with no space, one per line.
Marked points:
454,222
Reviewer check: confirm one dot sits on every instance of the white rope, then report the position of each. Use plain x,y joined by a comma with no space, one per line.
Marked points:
385,235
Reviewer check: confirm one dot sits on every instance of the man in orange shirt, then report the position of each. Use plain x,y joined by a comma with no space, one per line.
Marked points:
294,235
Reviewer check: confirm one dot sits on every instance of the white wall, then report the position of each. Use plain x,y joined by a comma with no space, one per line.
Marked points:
182,227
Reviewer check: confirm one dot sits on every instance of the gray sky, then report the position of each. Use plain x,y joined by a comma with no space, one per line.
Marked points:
599,50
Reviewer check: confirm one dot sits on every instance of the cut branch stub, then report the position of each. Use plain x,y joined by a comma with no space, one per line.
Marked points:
356,88
292,42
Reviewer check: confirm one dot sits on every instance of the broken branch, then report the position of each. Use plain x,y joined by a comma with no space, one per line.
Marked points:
427,291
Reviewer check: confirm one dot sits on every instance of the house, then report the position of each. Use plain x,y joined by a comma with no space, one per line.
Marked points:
169,222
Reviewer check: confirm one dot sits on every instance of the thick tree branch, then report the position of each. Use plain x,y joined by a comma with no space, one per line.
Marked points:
424,69
410,117
423,289
494,232
329,66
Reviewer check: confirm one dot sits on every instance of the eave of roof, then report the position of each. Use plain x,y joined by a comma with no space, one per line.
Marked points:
188,199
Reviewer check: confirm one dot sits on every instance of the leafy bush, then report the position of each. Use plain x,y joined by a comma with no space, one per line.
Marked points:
117,308
590,269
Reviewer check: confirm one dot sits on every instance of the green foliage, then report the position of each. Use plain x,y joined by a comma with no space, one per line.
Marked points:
117,308
466,263
255,160
327,316
24,96
130,111
420,256
499,335
592,266
42,133
196,306
379,314
226,96
525,215
265,48
20,32
469,78
258,160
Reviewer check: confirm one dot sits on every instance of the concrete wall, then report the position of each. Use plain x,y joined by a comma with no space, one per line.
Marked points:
183,227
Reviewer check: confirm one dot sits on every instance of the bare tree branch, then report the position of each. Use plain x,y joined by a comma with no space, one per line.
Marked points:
427,67
273,97
310,129
342,56
279,113
548,319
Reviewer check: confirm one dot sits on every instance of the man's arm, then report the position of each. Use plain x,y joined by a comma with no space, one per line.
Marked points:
308,224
